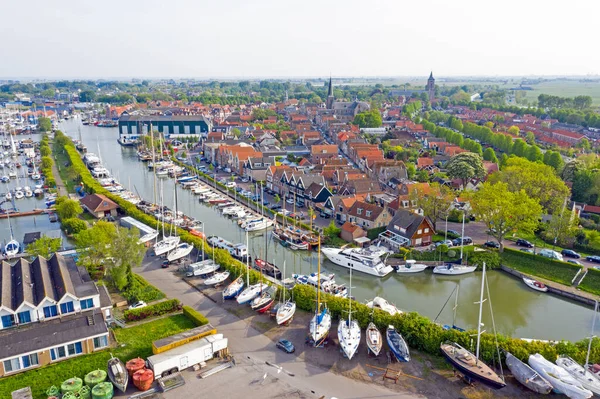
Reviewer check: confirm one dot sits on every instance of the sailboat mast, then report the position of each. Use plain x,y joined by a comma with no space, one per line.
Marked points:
480,310
247,257
587,357
319,276
153,161
350,301
455,306
282,279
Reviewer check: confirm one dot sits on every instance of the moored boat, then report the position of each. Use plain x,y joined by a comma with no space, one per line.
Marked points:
411,266
527,376
534,284
451,269
397,345
118,373
267,268
383,304
587,379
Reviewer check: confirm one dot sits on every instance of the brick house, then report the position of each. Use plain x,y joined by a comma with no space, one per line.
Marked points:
99,205
368,216
408,229
351,231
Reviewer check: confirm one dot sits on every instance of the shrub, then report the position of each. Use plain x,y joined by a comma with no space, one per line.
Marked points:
158,309
374,233
197,317
491,259
74,225
139,289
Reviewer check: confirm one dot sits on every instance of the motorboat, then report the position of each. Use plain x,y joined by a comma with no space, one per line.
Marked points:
359,259
534,284
167,244
561,380
374,339
28,193
285,312
267,268
411,266
8,196
234,288
19,194
586,378
259,224
181,251
217,278
319,327
251,292
451,269
471,367
380,303
397,344
117,373
38,192
527,376
12,247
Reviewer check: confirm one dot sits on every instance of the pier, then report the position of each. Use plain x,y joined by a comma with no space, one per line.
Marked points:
20,214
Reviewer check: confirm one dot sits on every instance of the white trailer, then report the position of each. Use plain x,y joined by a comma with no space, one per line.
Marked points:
185,356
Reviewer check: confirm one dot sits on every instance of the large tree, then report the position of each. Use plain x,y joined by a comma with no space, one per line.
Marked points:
434,201
366,119
44,246
504,211
490,155
465,166
44,124
67,208
538,180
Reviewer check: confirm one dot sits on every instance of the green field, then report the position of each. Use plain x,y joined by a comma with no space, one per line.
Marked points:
566,88
536,265
135,341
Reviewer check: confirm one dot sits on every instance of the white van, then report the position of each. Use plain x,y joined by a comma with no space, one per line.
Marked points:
548,253
230,184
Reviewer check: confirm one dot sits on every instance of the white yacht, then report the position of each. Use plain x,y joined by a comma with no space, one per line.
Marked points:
411,266
454,270
259,224
359,259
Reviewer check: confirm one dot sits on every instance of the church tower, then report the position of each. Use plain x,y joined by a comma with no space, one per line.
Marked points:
330,98
431,87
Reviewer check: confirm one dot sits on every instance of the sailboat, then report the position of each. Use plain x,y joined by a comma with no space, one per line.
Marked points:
582,373
467,363
237,285
527,376
285,311
349,330
321,321
12,247
559,378
374,339
397,344
168,243
181,251
251,291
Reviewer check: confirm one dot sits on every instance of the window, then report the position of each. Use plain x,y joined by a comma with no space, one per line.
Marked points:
368,214
12,365
8,321
427,230
50,311
419,231
405,204
23,362
360,211
414,202
24,317
87,304
29,360
341,209
60,352
100,342
74,349
67,307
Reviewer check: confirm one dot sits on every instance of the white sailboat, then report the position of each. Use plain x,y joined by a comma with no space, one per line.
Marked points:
285,311
217,278
181,251
237,285
12,247
349,330
320,324
374,339
251,291
168,243
451,269
559,378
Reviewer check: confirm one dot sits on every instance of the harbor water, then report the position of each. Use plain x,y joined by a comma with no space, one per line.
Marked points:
518,310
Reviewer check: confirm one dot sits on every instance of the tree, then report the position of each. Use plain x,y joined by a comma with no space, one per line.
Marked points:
368,119
332,231
44,124
89,96
67,208
490,155
236,132
46,163
504,211
514,130
534,154
555,160
519,147
127,253
538,180
276,199
434,202
45,151
44,247
73,225
530,138
465,166
422,176
562,228
411,171
584,144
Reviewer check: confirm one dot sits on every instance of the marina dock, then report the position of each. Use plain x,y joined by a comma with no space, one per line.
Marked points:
20,214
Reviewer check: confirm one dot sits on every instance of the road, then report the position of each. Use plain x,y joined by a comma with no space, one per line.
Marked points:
251,346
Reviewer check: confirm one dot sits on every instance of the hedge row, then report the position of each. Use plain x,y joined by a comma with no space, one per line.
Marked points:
422,334
49,179
141,290
553,270
158,309
197,317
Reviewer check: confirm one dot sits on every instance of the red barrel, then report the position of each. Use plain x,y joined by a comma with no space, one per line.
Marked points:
134,365
143,379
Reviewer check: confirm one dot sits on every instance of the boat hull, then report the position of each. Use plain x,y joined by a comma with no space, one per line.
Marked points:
397,345
333,255
454,271
527,376
117,373
492,383
374,339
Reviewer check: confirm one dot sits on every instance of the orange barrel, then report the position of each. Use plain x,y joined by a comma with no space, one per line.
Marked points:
143,379
134,365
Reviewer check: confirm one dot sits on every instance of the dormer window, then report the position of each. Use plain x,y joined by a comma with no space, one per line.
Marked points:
368,214
405,204
360,211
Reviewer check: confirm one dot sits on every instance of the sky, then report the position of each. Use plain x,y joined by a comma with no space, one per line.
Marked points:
306,38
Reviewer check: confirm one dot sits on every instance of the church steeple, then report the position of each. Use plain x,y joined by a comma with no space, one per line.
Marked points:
431,87
330,97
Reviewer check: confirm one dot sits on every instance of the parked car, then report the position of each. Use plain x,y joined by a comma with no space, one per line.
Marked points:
491,244
290,201
285,346
529,251
593,258
444,242
164,264
569,253
299,204
230,184
227,170
138,305
275,206
453,233
549,253
465,241
324,215
575,262
524,243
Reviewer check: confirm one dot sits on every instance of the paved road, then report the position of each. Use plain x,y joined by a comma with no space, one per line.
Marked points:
246,342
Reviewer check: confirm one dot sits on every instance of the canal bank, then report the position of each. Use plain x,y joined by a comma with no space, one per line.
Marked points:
518,311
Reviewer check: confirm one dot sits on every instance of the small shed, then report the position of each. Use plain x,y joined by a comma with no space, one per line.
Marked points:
99,205
351,231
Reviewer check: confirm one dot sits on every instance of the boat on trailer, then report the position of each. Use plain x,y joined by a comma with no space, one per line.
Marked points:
117,373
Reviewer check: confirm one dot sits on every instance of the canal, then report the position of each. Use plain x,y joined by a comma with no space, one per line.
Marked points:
518,310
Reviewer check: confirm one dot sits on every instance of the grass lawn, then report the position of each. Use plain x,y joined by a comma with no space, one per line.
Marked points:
133,342
565,88
69,177
591,282
536,265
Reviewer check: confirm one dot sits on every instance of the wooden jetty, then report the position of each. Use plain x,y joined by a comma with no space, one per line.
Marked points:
20,214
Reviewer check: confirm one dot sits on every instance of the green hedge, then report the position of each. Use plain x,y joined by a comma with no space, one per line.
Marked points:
374,233
158,309
197,317
141,290
536,265
591,282
422,334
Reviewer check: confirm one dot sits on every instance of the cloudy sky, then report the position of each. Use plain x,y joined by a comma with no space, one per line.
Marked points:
279,38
